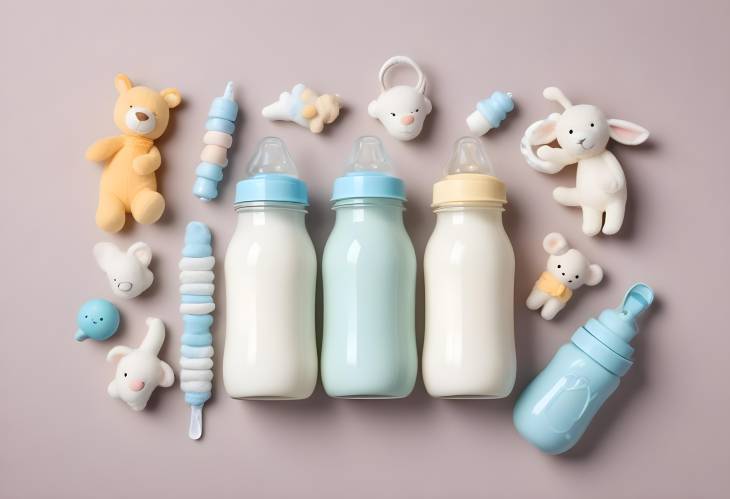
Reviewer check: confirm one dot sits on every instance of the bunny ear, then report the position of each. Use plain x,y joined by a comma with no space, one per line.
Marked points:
543,132
142,252
117,353
555,244
626,132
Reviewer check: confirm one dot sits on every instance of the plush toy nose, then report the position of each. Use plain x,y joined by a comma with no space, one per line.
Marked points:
136,385
407,119
141,116
125,286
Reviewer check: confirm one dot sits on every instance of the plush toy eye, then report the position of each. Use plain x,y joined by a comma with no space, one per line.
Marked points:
125,375
559,266
570,132
592,125
86,317
392,114
101,318
130,107
577,277
416,110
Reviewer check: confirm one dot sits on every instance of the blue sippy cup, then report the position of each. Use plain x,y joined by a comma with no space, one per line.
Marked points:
555,409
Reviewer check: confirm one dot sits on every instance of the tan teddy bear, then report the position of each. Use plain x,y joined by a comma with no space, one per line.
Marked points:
128,183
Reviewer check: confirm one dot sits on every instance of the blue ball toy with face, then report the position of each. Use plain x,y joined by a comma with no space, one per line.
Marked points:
97,319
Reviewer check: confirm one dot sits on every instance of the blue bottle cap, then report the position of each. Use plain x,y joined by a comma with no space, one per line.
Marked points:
368,174
273,176
607,338
495,108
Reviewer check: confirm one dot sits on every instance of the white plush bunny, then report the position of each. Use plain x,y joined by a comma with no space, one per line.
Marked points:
582,131
139,371
127,271
567,270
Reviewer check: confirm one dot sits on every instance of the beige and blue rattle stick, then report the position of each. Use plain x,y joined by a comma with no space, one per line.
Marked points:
196,305
218,139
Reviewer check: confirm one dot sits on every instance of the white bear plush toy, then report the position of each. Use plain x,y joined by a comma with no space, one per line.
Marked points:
139,371
567,270
127,271
582,132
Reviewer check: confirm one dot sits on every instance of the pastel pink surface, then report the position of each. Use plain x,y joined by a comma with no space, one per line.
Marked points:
662,65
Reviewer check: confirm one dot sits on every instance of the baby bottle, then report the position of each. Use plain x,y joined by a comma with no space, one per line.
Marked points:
556,408
270,350
469,266
369,276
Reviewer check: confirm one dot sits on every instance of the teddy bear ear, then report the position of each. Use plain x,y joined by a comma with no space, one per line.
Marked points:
429,106
122,83
373,109
171,96
595,274
142,252
555,244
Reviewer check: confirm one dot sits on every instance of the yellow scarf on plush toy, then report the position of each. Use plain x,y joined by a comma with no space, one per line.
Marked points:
550,284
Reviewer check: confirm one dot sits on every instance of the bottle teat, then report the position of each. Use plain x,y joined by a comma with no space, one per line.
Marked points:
368,155
468,156
622,320
272,156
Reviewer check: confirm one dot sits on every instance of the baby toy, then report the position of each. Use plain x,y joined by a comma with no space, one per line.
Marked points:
196,294
127,271
218,139
139,371
402,108
305,107
490,113
567,270
128,183
582,131
555,409
97,319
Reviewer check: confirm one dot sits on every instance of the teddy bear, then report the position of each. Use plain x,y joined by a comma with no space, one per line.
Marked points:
127,271
567,270
304,107
128,183
139,371
582,131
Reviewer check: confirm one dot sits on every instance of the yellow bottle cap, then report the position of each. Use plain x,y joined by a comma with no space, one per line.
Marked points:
468,177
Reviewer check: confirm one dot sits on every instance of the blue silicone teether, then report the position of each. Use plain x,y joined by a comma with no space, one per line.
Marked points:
97,319
196,305
218,139
490,113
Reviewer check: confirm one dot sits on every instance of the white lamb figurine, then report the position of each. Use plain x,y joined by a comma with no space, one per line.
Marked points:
139,371
567,270
582,132
126,270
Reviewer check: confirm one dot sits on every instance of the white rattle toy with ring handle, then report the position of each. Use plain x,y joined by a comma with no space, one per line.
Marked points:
402,109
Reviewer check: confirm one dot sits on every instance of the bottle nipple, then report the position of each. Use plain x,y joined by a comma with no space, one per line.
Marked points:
468,156
272,157
637,299
368,155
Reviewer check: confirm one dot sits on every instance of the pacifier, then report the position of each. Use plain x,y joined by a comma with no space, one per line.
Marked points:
402,109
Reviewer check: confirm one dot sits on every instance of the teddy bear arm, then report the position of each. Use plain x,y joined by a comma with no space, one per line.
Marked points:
147,163
104,148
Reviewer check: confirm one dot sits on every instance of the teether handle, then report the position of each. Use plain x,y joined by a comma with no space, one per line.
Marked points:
402,59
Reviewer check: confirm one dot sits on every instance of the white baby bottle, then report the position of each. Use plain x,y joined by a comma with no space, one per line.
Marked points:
469,344
271,268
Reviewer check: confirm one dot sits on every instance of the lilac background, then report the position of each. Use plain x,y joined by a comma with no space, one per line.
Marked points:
663,434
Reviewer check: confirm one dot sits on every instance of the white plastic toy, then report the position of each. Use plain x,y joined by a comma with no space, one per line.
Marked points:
196,305
305,107
567,270
127,271
582,131
402,109
139,371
